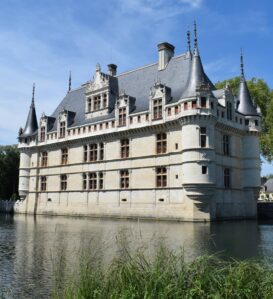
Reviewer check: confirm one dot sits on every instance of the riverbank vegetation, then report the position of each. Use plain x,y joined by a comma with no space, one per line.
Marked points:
9,172
166,274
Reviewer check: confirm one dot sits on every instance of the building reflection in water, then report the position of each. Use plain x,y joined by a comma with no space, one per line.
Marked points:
42,245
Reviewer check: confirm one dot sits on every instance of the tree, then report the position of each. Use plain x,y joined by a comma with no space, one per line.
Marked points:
263,97
9,171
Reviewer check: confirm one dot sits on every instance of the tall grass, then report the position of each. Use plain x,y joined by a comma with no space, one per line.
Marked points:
166,274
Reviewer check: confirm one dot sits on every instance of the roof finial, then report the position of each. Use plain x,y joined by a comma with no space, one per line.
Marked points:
242,64
33,95
189,40
195,35
69,83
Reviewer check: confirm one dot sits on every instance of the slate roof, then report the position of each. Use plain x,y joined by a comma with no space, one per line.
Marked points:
31,126
136,83
269,185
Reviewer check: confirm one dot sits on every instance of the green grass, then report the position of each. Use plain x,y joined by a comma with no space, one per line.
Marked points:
166,274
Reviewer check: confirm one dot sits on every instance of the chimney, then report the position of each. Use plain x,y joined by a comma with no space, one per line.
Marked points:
165,52
112,69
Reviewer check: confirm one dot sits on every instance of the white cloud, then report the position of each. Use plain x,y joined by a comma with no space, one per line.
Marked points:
159,9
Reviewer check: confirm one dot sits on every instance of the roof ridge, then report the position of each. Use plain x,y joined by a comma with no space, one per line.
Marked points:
147,65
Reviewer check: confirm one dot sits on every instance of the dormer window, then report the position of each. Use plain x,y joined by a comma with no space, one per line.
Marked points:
42,134
122,116
104,103
62,129
157,108
97,102
89,104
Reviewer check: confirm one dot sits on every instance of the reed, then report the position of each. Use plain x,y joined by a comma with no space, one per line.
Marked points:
166,274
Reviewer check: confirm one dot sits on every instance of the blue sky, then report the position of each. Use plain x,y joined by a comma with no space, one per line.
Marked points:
41,41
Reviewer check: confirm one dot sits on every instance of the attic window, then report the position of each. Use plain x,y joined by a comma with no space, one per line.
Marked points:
157,109
104,100
42,134
62,129
122,117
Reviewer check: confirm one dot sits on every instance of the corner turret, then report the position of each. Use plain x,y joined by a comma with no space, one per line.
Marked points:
246,105
31,126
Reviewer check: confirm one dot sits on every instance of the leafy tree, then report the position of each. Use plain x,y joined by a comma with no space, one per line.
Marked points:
9,171
263,97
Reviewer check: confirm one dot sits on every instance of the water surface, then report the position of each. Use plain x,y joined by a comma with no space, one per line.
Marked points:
31,247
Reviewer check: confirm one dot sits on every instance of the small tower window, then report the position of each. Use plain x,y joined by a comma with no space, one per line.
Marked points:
203,137
204,169
193,104
203,102
256,123
169,111
176,109
185,105
247,122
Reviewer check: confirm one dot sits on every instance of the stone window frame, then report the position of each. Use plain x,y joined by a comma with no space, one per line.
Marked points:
157,108
226,145
203,137
63,182
122,115
101,151
44,158
227,178
92,181
161,143
161,177
124,179
124,148
93,152
64,156
43,183
62,129
42,133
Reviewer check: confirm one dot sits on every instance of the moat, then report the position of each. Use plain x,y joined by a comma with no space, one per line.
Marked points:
31,247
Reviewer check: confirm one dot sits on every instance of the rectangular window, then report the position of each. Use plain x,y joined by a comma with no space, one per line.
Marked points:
247,122
42,134
185,105
256,123
63,180
62,129
227,178
85,153
84,181
203,102
124,148
204,169
193,105
44,159
229,111
139,119
100,180
92,181
122,117
226,141
97,102
89,105
93,152
161,177
101,151
157,109
203,137
169,111
64,157
223,114
124,179
43,183
147,117
212,105
104,100
161,143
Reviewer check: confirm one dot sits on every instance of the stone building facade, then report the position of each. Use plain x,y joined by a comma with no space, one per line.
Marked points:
156,142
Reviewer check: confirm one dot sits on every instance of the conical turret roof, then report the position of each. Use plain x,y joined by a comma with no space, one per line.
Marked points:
246,105
31,124
197,75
